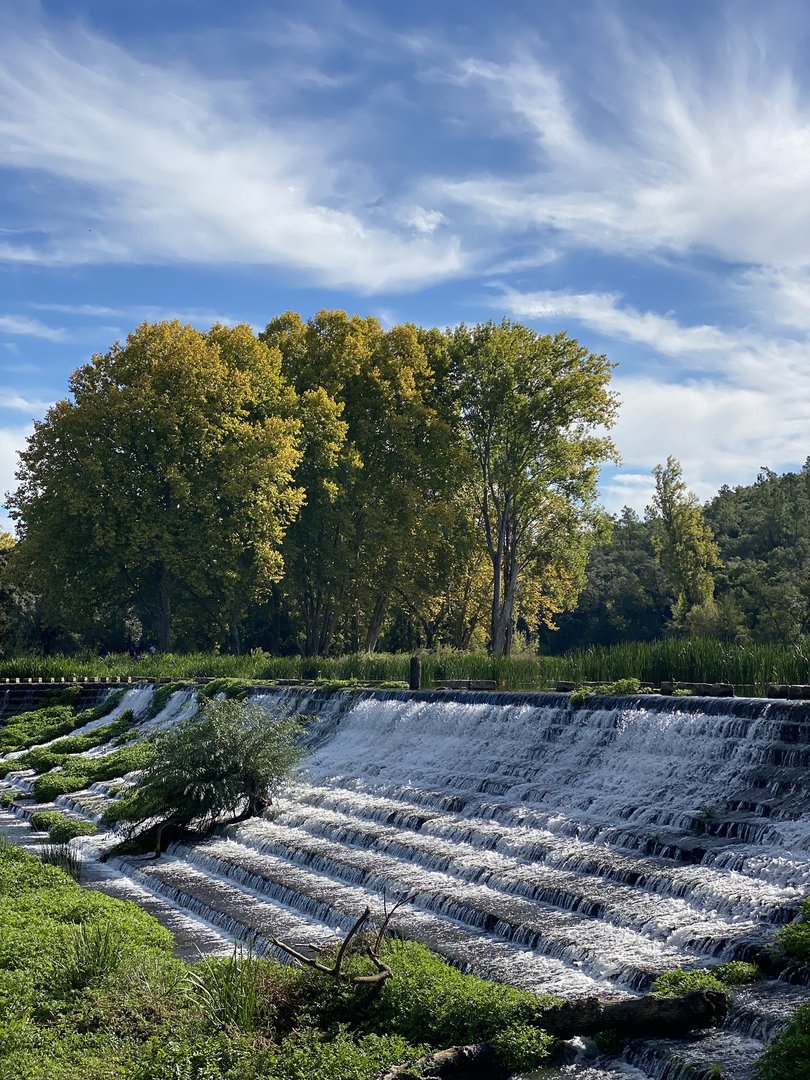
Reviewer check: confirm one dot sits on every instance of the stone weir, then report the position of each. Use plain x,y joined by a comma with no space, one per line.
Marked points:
573,851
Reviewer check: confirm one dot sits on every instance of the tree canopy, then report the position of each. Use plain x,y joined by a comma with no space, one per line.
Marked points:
323,486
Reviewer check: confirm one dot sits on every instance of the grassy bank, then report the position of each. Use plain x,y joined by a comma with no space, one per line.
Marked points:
89,990
695,660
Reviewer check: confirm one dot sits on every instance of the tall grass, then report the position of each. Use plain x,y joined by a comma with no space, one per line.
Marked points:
687,660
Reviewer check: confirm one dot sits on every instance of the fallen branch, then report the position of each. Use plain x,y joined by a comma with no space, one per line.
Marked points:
478,1062
639,1017
336,970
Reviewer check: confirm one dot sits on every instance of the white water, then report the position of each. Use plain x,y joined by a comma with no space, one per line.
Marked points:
559,850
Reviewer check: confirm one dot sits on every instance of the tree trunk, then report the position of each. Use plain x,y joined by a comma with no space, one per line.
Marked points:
164,627
233,633
477,1062
375,625
651,1016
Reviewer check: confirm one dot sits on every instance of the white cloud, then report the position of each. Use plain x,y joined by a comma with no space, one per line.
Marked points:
23,326
424,221
746,403
19,402
163,165
12,440
201,317
657,156
604,313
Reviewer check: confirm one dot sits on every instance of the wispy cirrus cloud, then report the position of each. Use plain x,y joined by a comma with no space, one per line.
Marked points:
724,401
657,154
23,326
156,164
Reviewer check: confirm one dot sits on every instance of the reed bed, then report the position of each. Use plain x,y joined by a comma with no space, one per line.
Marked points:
687,660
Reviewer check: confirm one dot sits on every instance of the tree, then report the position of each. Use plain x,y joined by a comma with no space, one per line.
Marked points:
165,483
625,595
685,546
227,760
532,411
377,473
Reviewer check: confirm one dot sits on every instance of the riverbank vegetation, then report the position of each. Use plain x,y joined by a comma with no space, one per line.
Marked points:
748,666
89,990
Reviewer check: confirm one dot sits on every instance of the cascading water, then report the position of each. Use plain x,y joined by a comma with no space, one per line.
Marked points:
567,851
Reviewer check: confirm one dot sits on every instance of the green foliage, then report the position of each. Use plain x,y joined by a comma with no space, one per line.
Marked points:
522,1046
60,827
228,992
534,409
787,1057
428,1000
681,692
230,756
621,688
686,549
80,772
736,973
680,981
114,498
28,728
794,939
89,991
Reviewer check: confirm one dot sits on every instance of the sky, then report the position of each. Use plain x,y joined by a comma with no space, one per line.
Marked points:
635,173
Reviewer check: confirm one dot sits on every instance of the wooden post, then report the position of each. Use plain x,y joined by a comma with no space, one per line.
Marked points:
415,679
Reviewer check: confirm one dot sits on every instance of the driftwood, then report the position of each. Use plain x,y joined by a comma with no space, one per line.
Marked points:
642,1017
336,970
477,1062
636,1018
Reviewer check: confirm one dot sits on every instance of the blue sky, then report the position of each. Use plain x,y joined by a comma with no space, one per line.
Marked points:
636,173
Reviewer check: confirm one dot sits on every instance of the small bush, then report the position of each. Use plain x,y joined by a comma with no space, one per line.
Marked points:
736,973
620,688
794,939
80,772
788,1055
227,992
679,982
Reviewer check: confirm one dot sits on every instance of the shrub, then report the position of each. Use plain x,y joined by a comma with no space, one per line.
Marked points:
620,688
427,1000
788,1055
680,981
736,973
794,939
79,772
227,759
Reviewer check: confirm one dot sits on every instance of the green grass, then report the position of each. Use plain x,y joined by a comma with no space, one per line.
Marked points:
89,990
684,660
61,827
80,772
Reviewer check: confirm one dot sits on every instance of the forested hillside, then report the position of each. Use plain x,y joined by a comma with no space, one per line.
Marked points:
761,582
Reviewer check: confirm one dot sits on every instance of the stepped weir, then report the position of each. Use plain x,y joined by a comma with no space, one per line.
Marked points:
571,851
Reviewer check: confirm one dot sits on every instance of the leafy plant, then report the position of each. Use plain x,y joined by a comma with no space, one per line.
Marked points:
794,939
787,1057
226,760
227,991
681,981
620,688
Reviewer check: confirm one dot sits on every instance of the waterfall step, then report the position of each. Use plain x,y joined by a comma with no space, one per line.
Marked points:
524,891
318,904
526,860
699,1056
